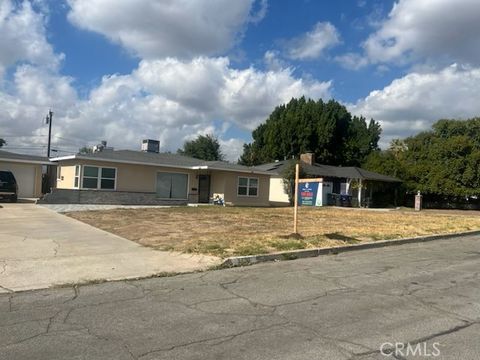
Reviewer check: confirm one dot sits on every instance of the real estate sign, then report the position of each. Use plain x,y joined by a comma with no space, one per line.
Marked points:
309,194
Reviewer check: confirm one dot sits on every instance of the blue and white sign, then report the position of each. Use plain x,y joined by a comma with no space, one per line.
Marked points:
310,194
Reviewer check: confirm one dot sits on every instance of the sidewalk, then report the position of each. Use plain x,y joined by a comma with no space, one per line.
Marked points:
40,248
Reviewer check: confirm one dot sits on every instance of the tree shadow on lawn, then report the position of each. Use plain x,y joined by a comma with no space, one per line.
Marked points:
340,237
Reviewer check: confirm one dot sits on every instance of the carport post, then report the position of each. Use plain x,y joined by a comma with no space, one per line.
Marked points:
360,185
295,200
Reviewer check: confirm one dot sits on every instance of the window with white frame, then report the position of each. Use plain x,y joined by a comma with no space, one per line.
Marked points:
77,177
247,186
107,178
95,177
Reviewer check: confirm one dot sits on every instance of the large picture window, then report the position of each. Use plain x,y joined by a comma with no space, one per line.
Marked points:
95,177
247,186
172,186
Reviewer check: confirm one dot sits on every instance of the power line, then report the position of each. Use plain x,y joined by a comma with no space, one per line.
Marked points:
78,141
40,144
24,145
22,136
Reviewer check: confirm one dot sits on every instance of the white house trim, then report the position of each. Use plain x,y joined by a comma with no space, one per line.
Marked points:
28,161
195,167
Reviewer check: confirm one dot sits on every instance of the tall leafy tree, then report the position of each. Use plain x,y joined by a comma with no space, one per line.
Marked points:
328,129
205,147
2,142
444,161
85,150
288,178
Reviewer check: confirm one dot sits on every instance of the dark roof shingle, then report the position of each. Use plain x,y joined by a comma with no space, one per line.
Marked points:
164,159
22,157
321,170
144,157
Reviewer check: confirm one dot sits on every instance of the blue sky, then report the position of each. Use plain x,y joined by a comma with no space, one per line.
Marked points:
123,70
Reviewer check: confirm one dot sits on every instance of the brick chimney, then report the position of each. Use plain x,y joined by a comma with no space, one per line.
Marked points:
308,158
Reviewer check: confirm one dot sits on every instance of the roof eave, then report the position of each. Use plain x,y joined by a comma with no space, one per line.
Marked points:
131,162
195,167
25,161
67,157
246,171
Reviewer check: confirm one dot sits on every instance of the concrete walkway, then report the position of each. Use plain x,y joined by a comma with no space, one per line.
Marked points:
40,248
63,208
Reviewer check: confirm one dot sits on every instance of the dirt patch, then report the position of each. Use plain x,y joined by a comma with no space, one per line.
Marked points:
227,231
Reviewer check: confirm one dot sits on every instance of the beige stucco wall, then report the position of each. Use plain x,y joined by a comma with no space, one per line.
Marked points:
134,178
19,170
67,177
226,182
277,191
142,178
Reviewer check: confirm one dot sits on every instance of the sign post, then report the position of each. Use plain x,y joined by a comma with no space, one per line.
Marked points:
308,192
295,201
418,201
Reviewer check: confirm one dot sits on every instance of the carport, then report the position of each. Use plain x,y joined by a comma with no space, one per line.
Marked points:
28,170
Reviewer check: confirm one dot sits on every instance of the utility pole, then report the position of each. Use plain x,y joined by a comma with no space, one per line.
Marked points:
48,120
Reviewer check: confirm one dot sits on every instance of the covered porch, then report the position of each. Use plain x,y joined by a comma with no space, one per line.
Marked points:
353,186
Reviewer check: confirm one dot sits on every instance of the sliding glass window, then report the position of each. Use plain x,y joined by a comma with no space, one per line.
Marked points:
172,186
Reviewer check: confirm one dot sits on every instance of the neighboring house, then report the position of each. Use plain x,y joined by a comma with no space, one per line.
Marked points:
146,177
27,169
339,180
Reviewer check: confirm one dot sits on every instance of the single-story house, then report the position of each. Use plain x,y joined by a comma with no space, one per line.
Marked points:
28,171
150,177
355,182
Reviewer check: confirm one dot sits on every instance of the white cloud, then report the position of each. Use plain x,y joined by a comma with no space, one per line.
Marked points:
231,148
167,99
361,3
313,44
414,102
23,36
352,61
256,17
43,89
437,30
272,60
185,96
177,28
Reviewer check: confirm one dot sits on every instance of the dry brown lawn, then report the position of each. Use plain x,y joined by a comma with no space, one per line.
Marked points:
243,231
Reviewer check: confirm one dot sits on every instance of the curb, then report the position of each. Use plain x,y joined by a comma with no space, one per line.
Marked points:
306,253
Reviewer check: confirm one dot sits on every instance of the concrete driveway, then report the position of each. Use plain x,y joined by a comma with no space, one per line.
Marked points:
40,248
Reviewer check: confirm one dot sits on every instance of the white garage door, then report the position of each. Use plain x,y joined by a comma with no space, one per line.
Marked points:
25,175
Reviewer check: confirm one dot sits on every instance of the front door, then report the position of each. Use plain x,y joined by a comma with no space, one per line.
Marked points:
204,189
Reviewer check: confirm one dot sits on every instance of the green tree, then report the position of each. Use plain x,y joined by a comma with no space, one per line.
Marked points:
443,162
205,147
85,150
2,142
288,177
328,129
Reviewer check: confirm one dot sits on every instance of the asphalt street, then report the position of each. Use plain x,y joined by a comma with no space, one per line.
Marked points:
359,305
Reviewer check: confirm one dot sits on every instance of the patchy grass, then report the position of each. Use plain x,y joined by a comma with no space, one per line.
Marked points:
228,231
